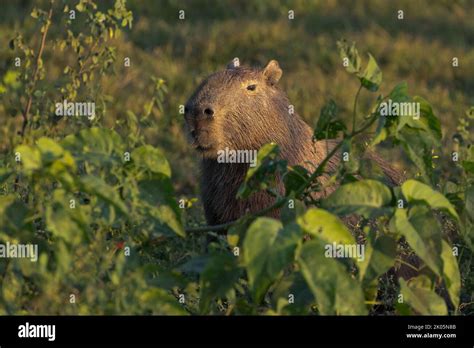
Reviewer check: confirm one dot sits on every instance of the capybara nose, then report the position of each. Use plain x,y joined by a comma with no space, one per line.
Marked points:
208,112
193,133
205,111
199,112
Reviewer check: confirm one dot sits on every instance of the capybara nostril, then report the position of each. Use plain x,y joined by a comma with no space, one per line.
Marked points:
209,112
193,133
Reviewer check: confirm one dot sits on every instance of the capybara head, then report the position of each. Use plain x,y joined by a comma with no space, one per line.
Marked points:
235,108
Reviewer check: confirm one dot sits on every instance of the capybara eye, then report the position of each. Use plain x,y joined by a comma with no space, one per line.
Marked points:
252,87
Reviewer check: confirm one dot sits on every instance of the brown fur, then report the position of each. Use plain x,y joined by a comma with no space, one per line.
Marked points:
223,112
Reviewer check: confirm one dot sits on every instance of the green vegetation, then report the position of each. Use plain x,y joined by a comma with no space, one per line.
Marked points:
111,201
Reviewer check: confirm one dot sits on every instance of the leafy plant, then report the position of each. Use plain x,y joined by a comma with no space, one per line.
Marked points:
112,235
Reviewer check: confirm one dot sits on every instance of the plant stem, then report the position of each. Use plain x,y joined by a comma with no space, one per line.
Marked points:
355,107
407,264
37,68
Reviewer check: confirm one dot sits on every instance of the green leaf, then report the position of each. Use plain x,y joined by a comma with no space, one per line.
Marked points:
352,165
30,158
381,133
262,175
34,13
80,7
13,217
371,169
237,231
418,151
50,150
364,197
387,126
419,137
132,122
422,233
325,226
55,159
469,199
162,302
267,249
217,279
415,191
100,146
295,178
328,126
294,284
470,113
468,164
399,93
12,79
372,76
291,210
352,55
269,150
163,220
429,121
418,293
5,173
451,275
427,124
151,159
64,257
336,292
159,212
70,224
98,187
379,257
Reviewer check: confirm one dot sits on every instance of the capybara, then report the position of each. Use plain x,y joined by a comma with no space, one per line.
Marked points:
243,108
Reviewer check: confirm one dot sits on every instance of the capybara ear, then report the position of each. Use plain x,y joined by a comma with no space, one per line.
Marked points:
272,72
234,63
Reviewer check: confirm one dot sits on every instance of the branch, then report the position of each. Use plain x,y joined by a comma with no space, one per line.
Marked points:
355,107
37,67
